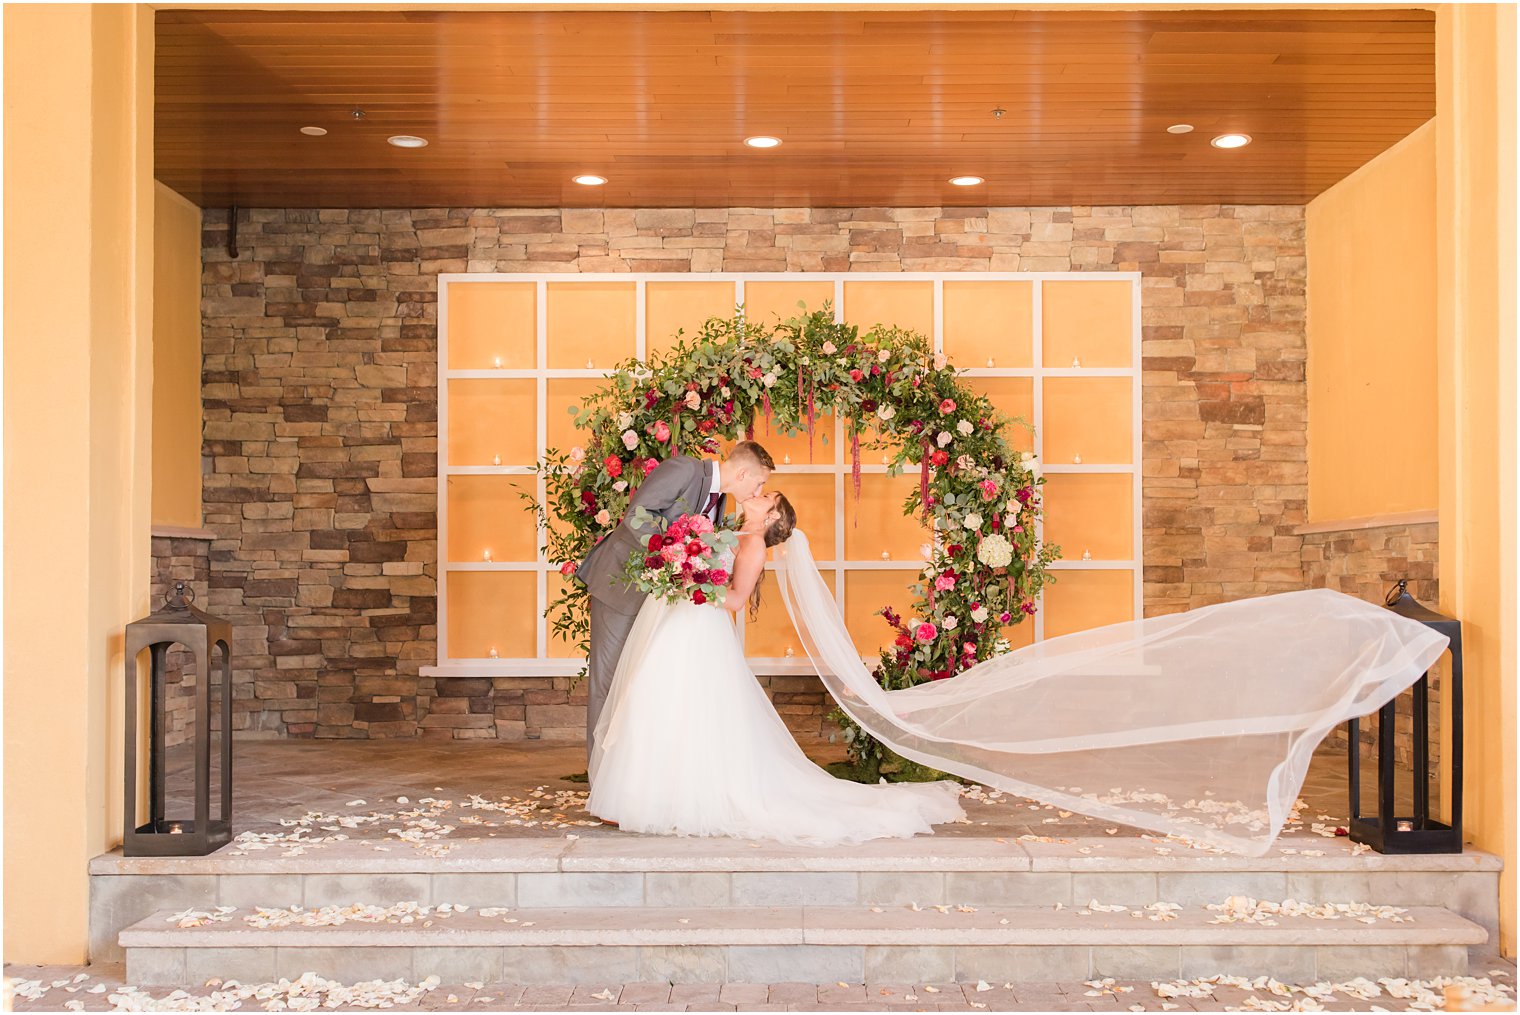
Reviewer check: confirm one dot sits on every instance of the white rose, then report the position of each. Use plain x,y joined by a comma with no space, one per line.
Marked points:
883,355
726,393
944,438
602,517
979,614
829,348
769,380
951,623
577,454
940,360
886,412
965,427
620,485
925,550
693,400
630,439
1031,463
625,420
973,521
963,462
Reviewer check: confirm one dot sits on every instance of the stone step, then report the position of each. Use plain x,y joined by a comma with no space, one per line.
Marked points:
800,943
643,872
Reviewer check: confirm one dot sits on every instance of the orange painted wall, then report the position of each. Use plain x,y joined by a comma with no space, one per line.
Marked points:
1372,352
77,419
1475,348
176,359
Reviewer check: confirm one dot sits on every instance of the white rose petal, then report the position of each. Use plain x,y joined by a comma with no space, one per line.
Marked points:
620,485
944,438
965,427
940,359
829,348
577,453
630,439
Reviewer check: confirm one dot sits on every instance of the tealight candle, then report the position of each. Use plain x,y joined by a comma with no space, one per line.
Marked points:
498,362
989,362
885,555
789,652
175,829
1086,555
1076,364
495,459
1076,459
1404,825
589,365
493,654
487,555
786,459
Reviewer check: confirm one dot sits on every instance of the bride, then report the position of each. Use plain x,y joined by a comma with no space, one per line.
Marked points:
1198,724
689,744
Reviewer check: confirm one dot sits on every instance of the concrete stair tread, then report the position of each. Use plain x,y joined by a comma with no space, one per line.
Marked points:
821,925
635,853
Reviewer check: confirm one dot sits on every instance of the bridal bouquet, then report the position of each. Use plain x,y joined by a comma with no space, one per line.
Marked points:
690,559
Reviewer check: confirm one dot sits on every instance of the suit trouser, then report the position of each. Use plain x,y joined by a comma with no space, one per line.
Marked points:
609,630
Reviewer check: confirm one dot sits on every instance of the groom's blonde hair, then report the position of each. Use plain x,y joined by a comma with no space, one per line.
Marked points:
751,453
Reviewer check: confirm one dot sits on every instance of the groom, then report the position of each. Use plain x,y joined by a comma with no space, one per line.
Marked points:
679,486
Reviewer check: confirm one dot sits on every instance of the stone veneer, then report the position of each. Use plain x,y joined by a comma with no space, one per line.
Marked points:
1367,562
320,386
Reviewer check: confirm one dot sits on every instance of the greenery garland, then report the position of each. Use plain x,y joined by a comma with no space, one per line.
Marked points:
985,568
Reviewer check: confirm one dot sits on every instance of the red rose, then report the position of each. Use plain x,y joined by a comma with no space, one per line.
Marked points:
654,561
695,548
939,457
656,542
701,576
698,597
614,466
857,376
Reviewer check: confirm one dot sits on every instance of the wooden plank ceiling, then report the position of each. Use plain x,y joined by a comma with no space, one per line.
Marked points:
874,107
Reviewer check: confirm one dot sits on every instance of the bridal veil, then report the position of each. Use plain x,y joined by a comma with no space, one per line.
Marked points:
1199,724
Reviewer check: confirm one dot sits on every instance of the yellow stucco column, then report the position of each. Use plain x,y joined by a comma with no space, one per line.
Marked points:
77,419
1475,334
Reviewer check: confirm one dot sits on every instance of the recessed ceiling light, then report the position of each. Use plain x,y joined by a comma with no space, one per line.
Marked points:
313,131
1180,128
965,181
1231,141
762,141
590,180
407,141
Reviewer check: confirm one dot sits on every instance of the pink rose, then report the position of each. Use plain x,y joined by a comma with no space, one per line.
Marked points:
926,632
699,525
661,430
947,407
857,376
650,465
944,583
567,568
989,489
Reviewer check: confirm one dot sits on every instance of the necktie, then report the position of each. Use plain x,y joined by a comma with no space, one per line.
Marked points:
712,503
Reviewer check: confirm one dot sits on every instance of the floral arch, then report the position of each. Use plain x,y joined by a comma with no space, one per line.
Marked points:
982,498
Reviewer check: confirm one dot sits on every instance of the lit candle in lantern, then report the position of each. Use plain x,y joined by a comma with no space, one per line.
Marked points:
589,365
786,459
492,653
1076,459
495,459
789,652
1076,364
498,362
175,829
1087,555
1405,825
885,555
989,362
487,555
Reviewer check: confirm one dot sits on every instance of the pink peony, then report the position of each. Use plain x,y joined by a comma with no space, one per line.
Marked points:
718,576
926,632
661,430
699,525
650,465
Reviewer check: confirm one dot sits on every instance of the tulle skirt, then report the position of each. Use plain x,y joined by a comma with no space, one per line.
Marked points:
689,744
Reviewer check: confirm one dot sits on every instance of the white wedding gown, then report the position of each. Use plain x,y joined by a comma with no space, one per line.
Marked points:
1199,724
689,744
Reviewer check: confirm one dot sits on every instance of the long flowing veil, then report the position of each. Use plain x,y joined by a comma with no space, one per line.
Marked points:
1199,724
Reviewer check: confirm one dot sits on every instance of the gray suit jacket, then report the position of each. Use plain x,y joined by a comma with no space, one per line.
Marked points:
679,486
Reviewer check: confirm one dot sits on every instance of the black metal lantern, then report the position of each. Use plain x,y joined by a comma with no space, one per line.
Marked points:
1388,831
179,621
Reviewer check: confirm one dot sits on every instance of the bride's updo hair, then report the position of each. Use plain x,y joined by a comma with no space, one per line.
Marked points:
778,531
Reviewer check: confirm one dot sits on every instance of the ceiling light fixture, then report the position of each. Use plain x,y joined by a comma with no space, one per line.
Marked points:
1180,128
762,141
965,181
1231,141
406,141
590,180
313,131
